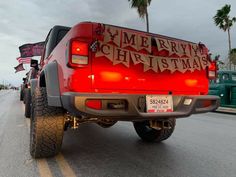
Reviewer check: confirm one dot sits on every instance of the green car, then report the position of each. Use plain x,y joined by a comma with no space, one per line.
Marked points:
225,87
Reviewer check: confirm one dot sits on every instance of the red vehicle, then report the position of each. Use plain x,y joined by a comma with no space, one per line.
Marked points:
101,73
32,74
22,86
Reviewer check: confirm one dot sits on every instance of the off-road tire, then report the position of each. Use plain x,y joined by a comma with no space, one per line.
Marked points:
146,133
27,103
47,126
21,95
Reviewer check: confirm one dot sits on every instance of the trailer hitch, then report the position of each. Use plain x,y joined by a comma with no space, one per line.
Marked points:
159,125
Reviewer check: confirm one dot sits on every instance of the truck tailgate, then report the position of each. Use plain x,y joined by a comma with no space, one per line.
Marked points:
129,61
118,78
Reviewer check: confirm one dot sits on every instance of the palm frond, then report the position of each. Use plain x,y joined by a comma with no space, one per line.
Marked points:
141,6
222,19
234,19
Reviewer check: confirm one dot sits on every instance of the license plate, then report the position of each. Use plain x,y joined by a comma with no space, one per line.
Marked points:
159,103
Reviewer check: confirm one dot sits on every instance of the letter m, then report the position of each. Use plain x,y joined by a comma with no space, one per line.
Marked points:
129,39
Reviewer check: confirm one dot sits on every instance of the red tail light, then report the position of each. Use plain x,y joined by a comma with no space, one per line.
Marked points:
79,48
78,54
94,104
212,70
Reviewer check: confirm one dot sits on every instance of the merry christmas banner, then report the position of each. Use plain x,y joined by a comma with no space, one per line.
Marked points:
181,56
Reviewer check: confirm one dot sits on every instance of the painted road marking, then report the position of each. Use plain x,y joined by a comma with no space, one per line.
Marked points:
65,168
44,169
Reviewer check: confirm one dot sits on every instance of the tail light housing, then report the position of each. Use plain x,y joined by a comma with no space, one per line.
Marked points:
94,104
212,70
79,52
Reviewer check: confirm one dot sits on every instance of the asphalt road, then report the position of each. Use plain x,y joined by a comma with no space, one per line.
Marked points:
203,145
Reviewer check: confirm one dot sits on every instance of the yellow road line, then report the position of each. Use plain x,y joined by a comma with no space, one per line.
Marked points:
42,164
44,169
65,168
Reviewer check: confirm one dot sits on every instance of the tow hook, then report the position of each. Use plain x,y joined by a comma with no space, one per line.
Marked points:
71,122
159,125
75,124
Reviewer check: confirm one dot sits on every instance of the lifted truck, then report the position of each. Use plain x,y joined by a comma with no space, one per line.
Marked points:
102,73
22,87
32,74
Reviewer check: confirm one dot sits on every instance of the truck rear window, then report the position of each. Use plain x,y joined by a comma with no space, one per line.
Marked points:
60,35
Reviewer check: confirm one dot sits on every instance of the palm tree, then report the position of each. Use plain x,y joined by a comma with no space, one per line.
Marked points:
233,56
224,22
141,6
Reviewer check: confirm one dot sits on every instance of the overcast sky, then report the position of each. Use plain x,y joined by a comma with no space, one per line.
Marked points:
28,21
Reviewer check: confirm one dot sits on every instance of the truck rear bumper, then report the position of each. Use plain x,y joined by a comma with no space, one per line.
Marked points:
134,106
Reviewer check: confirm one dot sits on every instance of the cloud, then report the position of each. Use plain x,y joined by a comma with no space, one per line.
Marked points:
30,20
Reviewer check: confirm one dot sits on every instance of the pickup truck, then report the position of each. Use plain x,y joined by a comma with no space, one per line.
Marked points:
22,87
32,74
101,73
224,86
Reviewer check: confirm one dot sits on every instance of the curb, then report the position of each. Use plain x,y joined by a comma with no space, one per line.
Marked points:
226,110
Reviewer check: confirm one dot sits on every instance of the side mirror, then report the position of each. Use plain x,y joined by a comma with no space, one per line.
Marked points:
34,64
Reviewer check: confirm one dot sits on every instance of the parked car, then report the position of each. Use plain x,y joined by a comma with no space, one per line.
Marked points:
224,86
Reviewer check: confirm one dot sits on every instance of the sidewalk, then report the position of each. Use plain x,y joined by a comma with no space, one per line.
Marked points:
226,110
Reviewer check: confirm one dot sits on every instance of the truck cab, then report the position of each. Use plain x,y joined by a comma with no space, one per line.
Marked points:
225,87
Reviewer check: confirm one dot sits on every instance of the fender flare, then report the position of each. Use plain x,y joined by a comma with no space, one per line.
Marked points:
33,85
51,79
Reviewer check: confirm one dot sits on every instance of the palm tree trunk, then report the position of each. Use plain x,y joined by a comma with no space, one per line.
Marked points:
229,39
147,20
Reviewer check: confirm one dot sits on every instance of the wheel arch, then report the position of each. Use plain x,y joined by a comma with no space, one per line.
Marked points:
49,79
